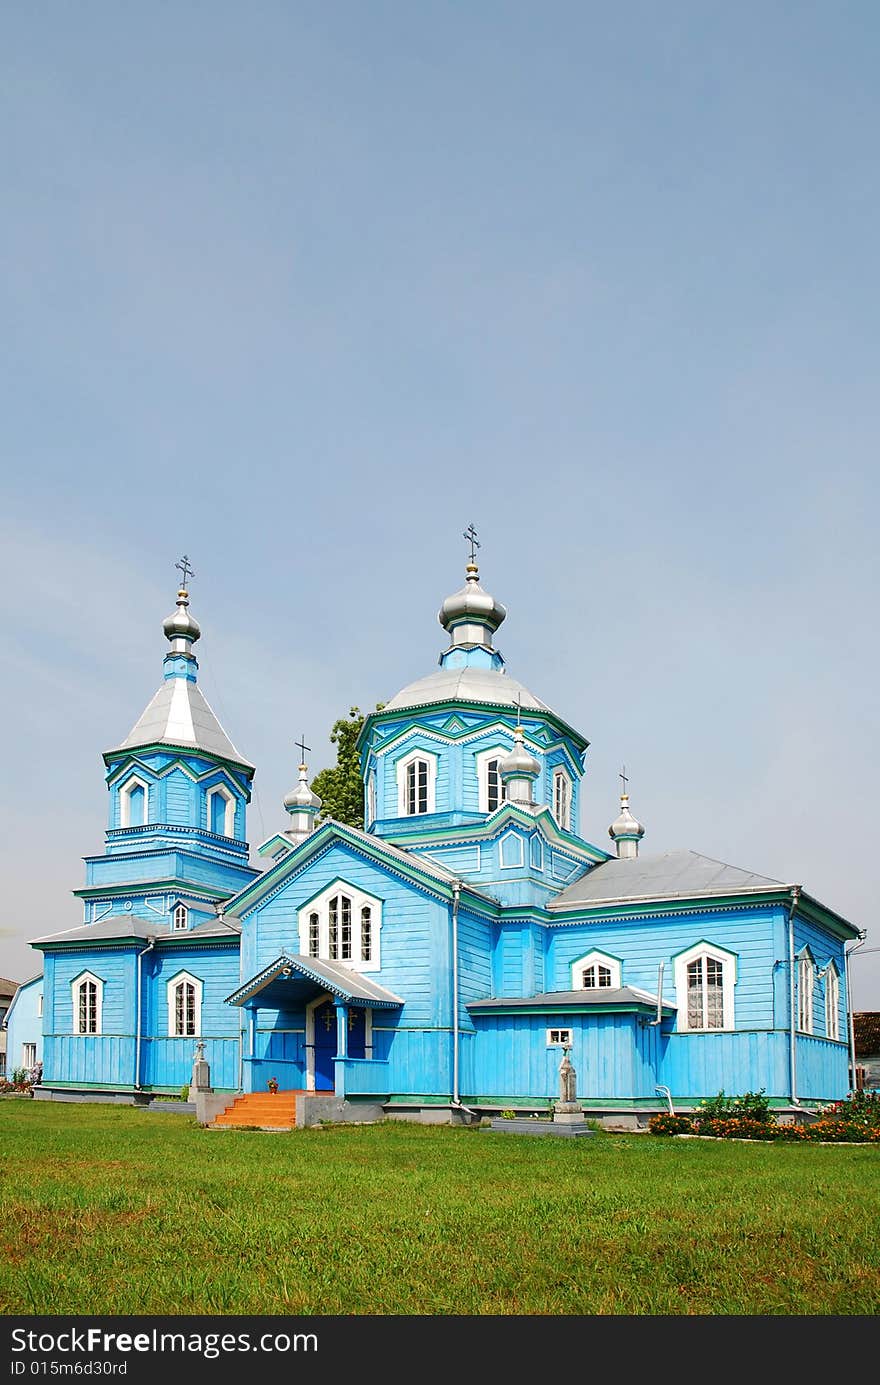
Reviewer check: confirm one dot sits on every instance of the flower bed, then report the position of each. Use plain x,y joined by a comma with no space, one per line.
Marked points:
854,1120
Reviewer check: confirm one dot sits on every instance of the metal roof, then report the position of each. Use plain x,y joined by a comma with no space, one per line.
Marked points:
122,926
180,715
565,1000
672,875
331,976
465,685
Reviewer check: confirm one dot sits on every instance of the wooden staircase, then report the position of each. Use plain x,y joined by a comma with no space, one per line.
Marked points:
266,1110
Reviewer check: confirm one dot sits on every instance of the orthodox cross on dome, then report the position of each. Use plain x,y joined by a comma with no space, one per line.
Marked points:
185,568
470,534
302,747
623,779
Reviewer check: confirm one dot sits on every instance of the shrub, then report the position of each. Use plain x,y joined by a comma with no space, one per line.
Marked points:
664,1123
751,1106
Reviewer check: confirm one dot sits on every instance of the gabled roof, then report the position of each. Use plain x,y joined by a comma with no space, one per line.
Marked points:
179,715
672,875
382,851
340,980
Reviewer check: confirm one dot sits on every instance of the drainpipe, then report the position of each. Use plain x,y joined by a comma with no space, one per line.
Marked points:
456,895
659,1018
792,1016
137,1033
850,1026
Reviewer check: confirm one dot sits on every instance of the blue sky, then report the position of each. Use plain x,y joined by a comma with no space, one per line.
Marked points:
304,289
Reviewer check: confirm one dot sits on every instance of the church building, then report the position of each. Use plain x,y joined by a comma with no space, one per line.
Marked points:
437,963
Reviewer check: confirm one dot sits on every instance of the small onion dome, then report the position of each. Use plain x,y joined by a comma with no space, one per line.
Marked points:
626,827
301,799
518,763
180,624
471,604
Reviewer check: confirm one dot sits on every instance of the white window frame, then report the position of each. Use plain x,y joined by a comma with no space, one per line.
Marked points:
181,978
40,1006
562,780
483,761
178,927
29,1056
536,852
75,985
402,767
371,798
221,791
359,901
520,861
832,1002
558,1037
125,792
806,982
728,962
595,959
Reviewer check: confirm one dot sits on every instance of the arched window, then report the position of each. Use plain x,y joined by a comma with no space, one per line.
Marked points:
495,790
416,777
705,976
371,799
180,917
832,1002
806,974
88,994
184,1006
562,799
133,803
597,971
221,811
342,925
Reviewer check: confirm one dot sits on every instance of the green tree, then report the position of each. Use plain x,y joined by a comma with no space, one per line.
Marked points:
341,788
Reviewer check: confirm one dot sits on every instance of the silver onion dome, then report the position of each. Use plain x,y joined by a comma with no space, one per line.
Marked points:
471,604
626,825
518,762
302,799
180,624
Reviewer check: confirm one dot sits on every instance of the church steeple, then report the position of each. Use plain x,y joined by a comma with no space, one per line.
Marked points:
626,831
182,630
301,803
471,615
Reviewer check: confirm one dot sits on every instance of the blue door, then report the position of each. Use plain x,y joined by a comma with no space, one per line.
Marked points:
325,1046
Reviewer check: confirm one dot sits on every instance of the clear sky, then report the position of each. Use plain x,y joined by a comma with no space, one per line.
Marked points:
303,289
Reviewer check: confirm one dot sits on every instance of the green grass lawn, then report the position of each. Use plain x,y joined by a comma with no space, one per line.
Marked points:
112,1210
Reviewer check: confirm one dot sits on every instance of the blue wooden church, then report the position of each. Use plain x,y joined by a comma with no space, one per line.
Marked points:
442,959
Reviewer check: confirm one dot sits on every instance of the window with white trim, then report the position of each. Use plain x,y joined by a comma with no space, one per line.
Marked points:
562,798
29,1056
559,1038
88,997
806,975
342,925
371,798
134,803
705,976
536,853
491,792
184,993
595,972
416,777
832,1002
220,805
180,917
40,1006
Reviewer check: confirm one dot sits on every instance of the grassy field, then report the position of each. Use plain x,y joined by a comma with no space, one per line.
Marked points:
112,1210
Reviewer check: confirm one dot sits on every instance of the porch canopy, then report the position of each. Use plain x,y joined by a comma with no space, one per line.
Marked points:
292,981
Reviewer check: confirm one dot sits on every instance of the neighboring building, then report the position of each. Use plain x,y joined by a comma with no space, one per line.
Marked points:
866,1042
7,991
447,954
24,1025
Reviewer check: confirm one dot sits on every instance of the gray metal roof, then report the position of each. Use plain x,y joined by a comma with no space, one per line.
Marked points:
562,1000
673,875
119,927
332,976
465,685
180,715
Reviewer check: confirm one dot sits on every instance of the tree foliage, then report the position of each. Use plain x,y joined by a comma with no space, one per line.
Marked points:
340,787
